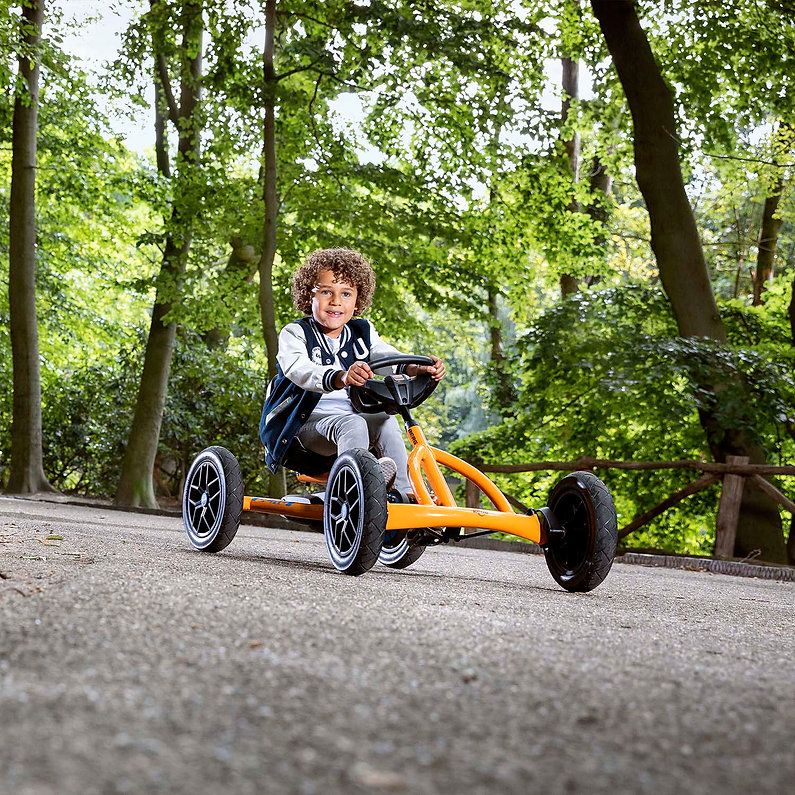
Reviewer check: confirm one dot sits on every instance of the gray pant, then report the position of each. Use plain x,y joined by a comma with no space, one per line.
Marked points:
331,434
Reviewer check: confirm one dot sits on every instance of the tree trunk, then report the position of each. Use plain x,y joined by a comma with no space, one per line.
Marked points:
677,246
599,206
270,192
768,238
503,394
571,90
791,313
791,539
782,143
277,484
136,483
602,188
27,469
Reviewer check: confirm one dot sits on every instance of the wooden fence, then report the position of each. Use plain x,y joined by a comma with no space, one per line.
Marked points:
733,473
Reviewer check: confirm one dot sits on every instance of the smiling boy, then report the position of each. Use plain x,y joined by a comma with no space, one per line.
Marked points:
322,354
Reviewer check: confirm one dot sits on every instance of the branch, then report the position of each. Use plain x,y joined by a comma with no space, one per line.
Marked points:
733,157
750,160
168,93
311,19
300,68
315,135
339,80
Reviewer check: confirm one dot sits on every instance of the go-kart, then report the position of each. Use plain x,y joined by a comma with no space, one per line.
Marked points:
363,523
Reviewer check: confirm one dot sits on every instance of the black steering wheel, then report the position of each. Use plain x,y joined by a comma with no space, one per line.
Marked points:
396,391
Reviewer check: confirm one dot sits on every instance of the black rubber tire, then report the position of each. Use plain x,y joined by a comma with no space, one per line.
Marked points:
212,501
354,512
396,553
581,558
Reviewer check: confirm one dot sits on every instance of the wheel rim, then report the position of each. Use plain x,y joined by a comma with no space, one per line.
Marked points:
395,547
345,513
574,513
205,492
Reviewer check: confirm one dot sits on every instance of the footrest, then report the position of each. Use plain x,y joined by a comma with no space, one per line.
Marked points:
306,499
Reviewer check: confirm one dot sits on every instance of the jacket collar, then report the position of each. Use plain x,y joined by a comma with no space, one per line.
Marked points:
322,339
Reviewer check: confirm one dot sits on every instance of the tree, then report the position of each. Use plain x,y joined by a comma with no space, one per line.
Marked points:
27,471
784,141
677,249
269,189
136,487
570,68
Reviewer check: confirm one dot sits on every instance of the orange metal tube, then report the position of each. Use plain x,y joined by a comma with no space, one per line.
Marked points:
437,511
404,517
299,510
415,475
476,476
423,459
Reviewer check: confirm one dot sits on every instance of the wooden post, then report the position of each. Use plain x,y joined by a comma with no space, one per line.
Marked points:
472,495
729,510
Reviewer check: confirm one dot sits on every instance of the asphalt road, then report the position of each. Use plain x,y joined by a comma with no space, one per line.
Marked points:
129,663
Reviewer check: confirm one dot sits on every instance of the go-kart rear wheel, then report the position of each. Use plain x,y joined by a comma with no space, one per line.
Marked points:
354,512
212,501
397,552
580,557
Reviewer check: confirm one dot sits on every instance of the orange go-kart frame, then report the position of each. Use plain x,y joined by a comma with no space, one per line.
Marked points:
435,505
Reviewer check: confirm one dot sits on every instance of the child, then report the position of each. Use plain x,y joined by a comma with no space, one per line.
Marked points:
322,354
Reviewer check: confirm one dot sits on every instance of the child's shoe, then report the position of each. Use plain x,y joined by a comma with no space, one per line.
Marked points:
389,471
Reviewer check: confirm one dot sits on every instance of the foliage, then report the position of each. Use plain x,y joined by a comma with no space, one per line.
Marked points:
604,375
454,182
215,399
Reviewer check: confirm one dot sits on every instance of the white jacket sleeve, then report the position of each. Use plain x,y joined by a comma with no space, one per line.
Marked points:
297,365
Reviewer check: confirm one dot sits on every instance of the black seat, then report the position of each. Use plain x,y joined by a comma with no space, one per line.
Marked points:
305,462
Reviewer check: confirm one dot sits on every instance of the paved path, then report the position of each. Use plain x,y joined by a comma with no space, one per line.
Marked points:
129,663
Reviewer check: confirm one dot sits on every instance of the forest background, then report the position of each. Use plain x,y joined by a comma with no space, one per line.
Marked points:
585,208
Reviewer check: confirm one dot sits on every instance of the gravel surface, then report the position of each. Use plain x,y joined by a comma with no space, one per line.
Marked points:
130,663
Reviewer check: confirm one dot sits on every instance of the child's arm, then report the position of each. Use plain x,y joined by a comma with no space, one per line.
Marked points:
436,370
298,367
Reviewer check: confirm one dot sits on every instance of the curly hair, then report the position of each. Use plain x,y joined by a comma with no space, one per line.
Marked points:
346,265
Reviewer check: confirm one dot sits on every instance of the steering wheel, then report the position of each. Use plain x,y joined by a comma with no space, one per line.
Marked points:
396,390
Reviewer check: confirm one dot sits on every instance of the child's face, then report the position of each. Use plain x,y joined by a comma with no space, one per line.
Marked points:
333,303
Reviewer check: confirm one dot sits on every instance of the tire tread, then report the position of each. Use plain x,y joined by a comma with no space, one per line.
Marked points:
375,512
233,505
596,568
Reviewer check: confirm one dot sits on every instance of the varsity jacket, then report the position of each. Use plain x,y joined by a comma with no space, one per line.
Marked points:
306,368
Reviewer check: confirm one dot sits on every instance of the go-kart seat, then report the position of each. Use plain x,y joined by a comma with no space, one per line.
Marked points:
307,462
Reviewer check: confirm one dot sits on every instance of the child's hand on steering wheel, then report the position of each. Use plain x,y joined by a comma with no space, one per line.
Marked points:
435,371
357,374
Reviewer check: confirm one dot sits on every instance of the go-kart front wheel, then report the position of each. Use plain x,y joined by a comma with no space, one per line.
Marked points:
580,554
354,512
212,501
